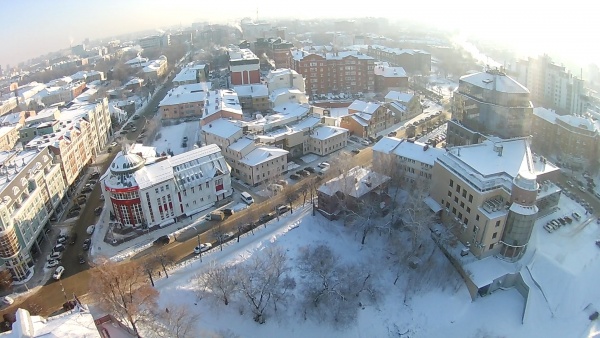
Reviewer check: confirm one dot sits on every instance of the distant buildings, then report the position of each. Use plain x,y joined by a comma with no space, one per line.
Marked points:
411,60
152,69
155,41
389,78
489,103
144,189
332,71
490,194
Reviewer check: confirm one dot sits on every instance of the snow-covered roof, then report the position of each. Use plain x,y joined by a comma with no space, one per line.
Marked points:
138,60
356,182
578,122
280,72
236,53
186,74
263,154
546,114
253,90
364,107
285,91
194,92
399,96
326,132
221,127
134,81
76,323
417,151
12,161
388,71
495,81
10,119
241,144
154,65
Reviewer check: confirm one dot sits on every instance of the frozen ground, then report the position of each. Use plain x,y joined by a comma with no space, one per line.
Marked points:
172,137
435,305
441,85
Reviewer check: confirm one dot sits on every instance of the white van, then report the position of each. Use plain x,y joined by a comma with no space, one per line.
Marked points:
247,198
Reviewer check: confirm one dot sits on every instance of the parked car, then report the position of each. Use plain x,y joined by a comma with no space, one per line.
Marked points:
164,240
282,182
215,216
58,272
54,256
295,177
303,173
98,211
86,190
135,117
264,218
52,263
202,248
228,211
76,207
86,244
61,240
73,239
73,213
392,134
311,170
576,216
324,164
227,236
282,209
355,151
81,259
58,248
7,300
90,229
275,188
97,174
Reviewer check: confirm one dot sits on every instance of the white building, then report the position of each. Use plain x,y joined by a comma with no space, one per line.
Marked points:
285,78
144,189
326,139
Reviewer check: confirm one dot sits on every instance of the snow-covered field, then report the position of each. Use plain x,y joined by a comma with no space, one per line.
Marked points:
430,301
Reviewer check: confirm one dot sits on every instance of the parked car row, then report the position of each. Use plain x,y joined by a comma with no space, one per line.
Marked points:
556,223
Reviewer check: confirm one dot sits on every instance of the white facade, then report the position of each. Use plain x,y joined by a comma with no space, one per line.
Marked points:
285,78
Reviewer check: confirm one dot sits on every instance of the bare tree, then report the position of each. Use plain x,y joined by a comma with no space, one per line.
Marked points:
264,280
122,290
178,322
218,233
416,214
162,259
290,196
220,280
333,291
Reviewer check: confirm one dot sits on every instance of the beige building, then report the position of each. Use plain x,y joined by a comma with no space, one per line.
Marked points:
84,131
9,136
326,139
413,160
31,190
404,106
253,97
255,163
156,69
366,119
490,195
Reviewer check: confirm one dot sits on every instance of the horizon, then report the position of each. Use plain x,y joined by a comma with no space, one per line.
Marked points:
523,33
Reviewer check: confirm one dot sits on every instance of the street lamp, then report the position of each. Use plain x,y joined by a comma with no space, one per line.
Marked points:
198,238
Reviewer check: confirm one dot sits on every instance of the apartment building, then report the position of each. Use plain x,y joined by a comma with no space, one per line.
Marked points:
284,78
31,190
155,41
88,76
325,140
414,61
244,66
366,119
53,94
155,69
489,103
256,163
410,161
9,136
552,85
75,139
389,78
573,138
326,72
144,189
491,193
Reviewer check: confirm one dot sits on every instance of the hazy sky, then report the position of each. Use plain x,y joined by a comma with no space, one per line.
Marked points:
34,27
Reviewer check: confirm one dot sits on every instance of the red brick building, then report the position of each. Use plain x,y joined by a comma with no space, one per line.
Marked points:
325,72
389,78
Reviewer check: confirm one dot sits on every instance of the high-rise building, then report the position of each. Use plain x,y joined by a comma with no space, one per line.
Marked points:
552,86
489,103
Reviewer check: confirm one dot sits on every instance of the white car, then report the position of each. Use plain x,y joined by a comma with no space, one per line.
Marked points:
324,165
7,300
54,255
203,247
58,272
90,229
365,142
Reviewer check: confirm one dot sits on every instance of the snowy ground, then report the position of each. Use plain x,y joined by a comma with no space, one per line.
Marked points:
172,137
436,305
441,85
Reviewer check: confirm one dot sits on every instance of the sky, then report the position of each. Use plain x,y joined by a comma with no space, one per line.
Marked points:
34,27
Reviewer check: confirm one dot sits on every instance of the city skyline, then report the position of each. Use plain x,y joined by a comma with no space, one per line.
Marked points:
513,25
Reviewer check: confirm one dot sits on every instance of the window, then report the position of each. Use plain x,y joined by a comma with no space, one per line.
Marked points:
458,188
468,210
497,223
447,204
462,205
495,235
470,198
454,211
449,193
460,215
477,218
464,194
455,199
491,246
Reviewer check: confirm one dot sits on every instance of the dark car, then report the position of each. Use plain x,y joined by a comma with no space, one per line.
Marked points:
355,151
98,211
75,207
86,244
73,213
162,240
304,173
81,259
228,212
86,190
295,177
310,170
264,218
73,239
282,209
95,175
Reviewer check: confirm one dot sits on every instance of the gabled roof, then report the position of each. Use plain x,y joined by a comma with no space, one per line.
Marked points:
356,182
